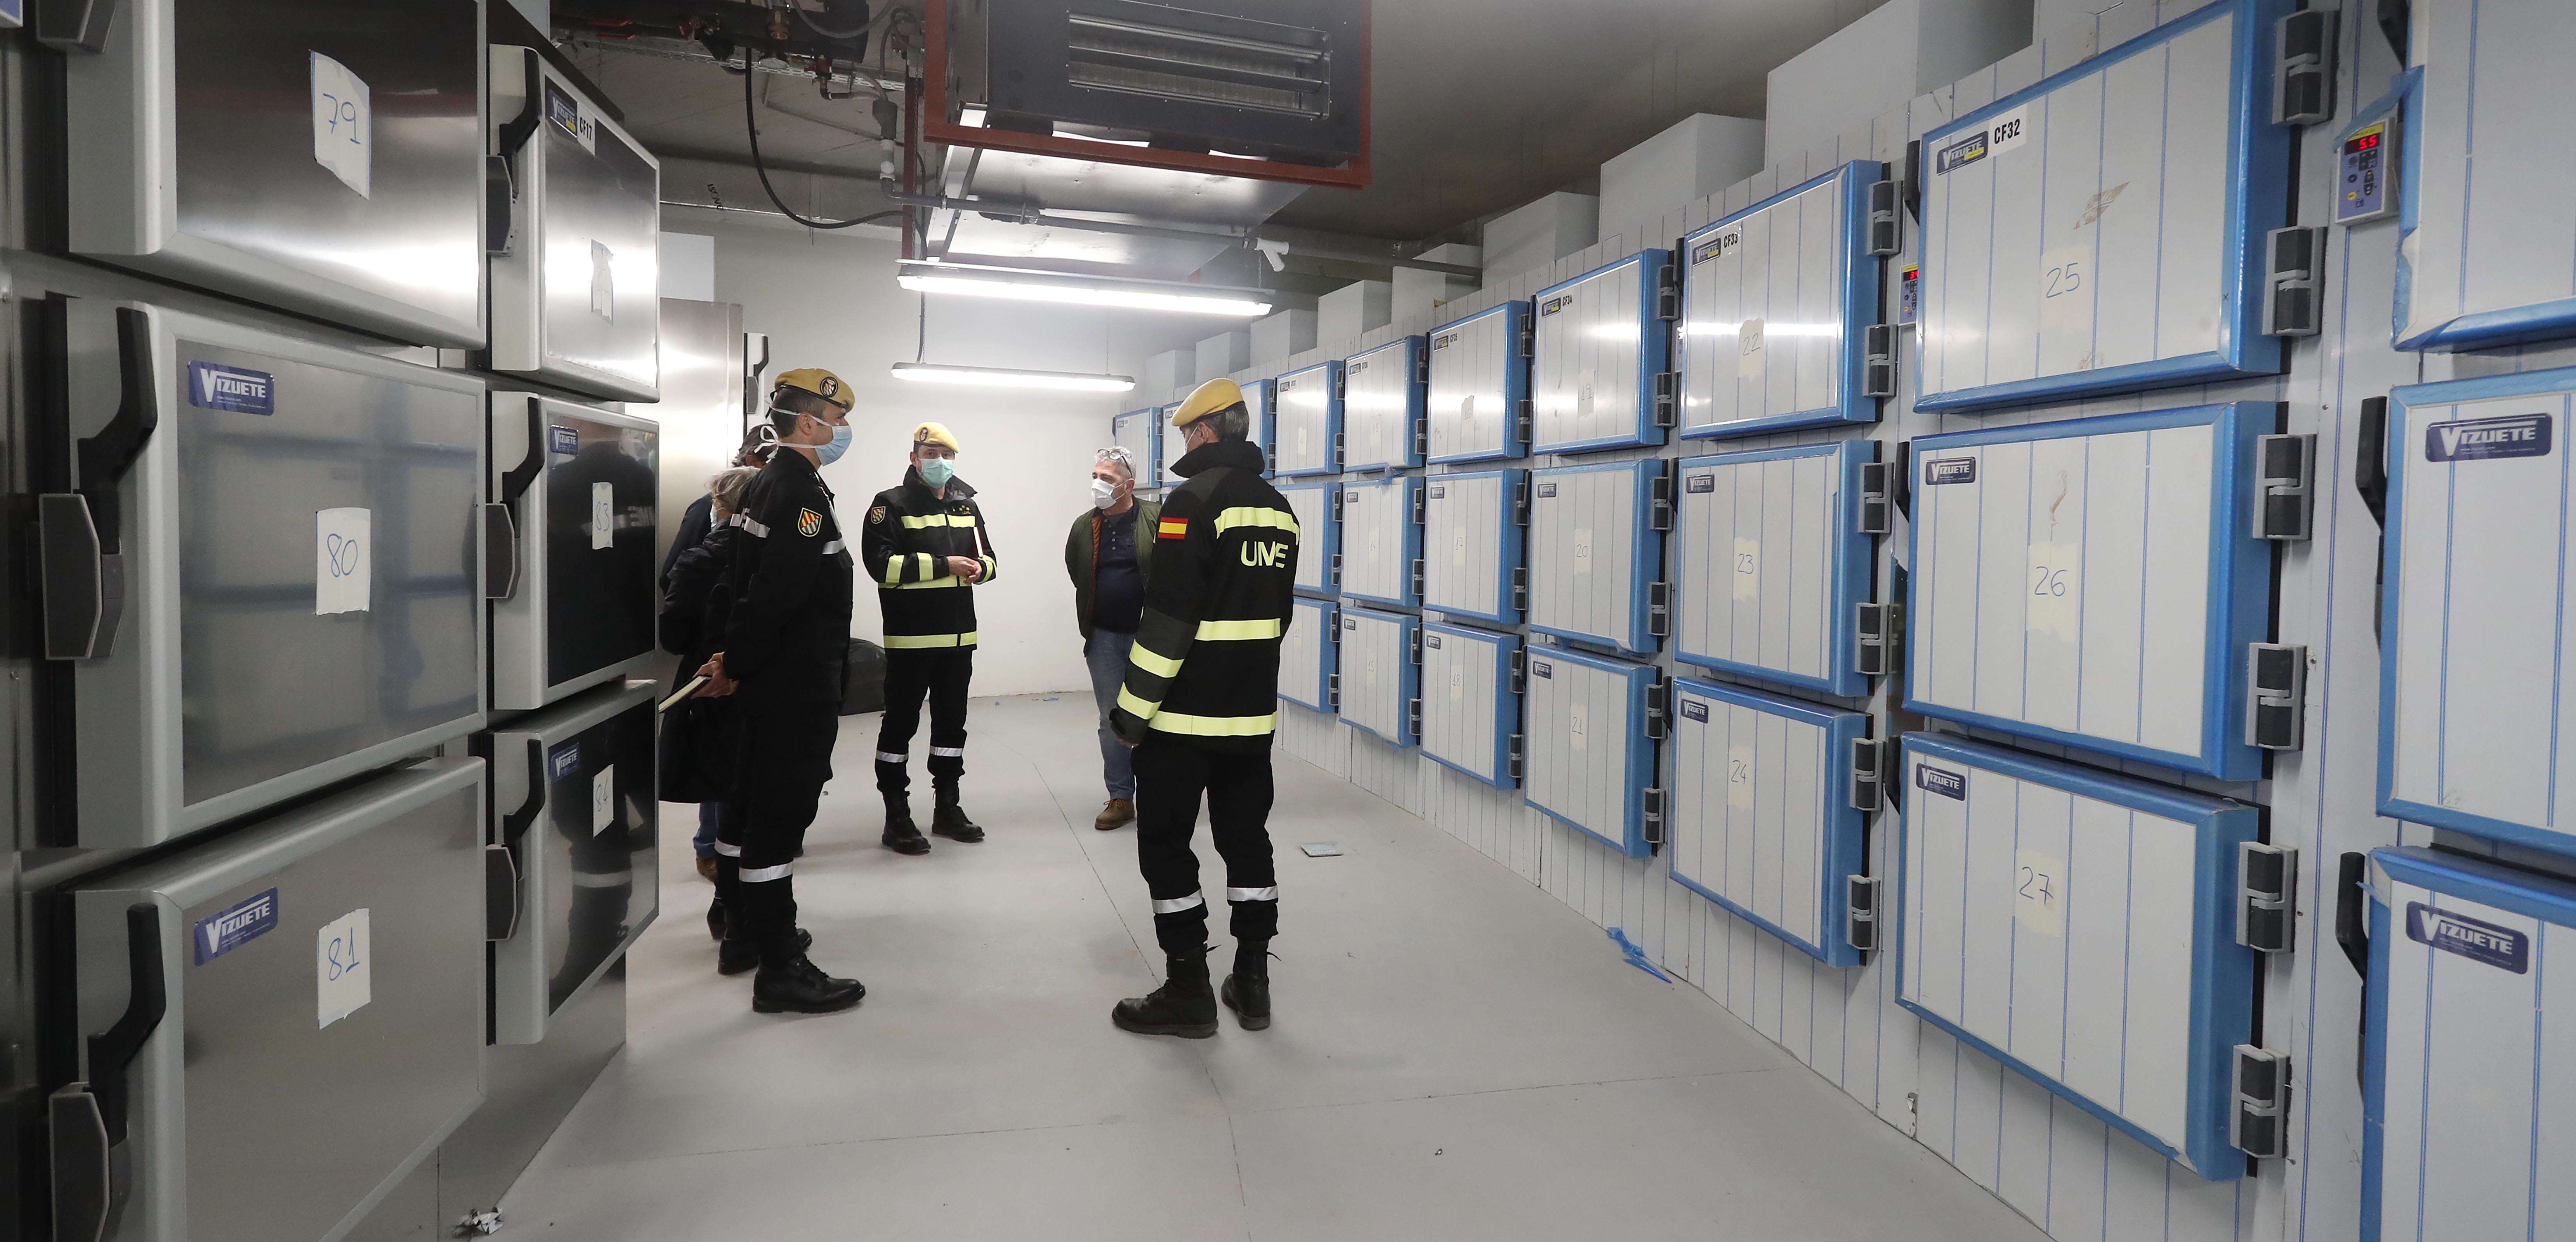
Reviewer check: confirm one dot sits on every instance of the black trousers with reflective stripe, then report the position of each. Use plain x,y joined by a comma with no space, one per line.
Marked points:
785,761
1173,775
940,674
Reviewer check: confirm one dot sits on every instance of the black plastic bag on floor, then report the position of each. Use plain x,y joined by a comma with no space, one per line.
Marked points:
863,679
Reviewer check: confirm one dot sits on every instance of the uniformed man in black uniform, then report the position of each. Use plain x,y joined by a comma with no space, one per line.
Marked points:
925,546
786,645
1200,703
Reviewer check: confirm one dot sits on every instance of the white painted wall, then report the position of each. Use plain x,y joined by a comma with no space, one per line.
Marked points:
1354,308
1693,159
1281,333
831,301
689,266
1539,233
1881,62
1418,292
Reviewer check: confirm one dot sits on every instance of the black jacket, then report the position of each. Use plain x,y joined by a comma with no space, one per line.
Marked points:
911,532
694,522
700,736
788,637
1206,662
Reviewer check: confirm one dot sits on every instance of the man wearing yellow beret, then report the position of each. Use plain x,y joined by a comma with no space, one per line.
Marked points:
925,545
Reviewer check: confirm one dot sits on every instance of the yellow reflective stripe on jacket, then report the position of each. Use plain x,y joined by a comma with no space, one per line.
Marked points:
939,519
1160,666
1213,726
905,642
990,569
1238,631
1276,519
935,584
1136,707
926,573
894,570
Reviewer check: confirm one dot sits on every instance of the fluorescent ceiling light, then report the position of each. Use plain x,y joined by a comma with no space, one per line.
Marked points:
1004,377
1037,286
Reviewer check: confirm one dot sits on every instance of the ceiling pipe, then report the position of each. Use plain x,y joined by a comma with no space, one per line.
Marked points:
1253,239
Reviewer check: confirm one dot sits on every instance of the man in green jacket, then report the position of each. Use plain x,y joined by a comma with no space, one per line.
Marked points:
1107,562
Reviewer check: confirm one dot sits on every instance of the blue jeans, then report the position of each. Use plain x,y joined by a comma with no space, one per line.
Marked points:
709,813
1106,653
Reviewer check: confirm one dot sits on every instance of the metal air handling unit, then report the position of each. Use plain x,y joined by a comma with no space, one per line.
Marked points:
282,1023
1307,422
2486,257
1140,432
2472,629
268,581
1763,821
1471,702
1597,358
1318,510
2094,583
1778,301
1309,654
1589,758
573,593
216,144
1382,406
2464,1070
1472,543
1596,544
1772,565
1379,679
1382,540
2104,229
576,280
1478,396
2080,928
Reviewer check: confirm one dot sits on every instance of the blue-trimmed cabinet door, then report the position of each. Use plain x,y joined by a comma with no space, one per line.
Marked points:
1586,757
1594,553
2469,1059
2473,633
1309,653
1762,818
2094,583
1478,402
1307,415
1472,544
1382,406
1769,566
1595,352
1140,432
2487,257
2080,927
1471,702
1318,510
1378,673
1776,302
2102,230
1382,540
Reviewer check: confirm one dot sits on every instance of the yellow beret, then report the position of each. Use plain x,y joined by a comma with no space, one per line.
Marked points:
934,433
1206,399
819,382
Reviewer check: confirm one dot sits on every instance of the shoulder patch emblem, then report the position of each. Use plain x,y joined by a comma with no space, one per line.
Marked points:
808,523
1172,528
876,515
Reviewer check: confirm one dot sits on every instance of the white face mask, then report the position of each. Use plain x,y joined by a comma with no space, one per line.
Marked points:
1103,493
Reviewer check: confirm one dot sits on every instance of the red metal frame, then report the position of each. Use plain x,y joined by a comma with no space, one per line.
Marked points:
936,127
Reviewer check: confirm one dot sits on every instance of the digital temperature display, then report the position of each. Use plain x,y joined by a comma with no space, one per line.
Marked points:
2365,142
2362,178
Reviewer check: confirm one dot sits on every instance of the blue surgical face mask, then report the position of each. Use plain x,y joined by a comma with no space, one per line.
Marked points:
936,471
826,454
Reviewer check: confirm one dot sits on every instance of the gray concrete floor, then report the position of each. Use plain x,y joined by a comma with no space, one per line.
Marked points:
1456,1055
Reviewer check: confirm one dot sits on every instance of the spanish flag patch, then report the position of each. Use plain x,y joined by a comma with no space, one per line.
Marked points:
1173,528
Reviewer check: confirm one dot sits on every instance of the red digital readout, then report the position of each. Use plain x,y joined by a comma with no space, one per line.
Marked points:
2364,143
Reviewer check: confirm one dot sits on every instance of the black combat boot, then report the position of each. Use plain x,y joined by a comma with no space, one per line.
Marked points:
901,835
797,985
1183,1006
738,954
949,819
1247,990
